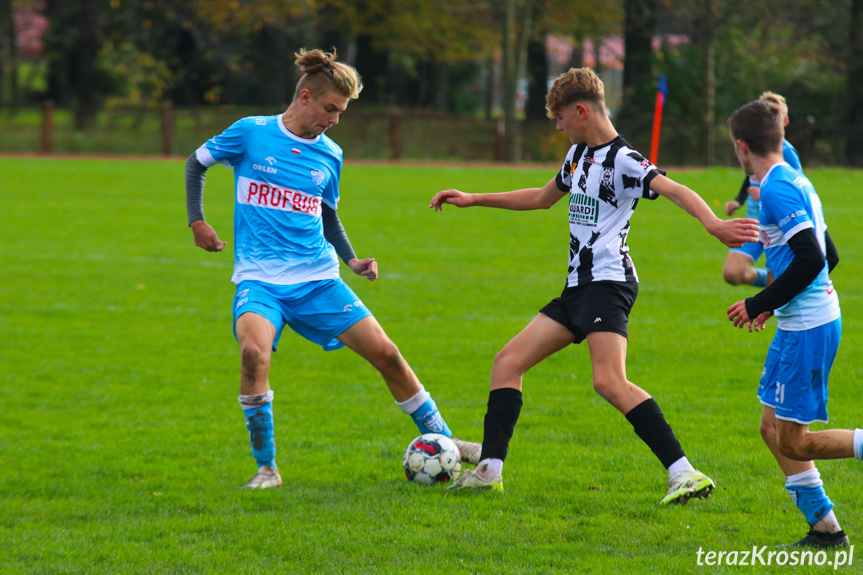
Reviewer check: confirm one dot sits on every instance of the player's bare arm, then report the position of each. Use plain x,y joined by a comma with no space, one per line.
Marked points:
206,237
524,199
733,233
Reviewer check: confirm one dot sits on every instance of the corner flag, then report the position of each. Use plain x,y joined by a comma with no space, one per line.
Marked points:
661,94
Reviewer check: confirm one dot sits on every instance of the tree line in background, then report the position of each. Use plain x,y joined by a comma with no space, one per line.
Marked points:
479,58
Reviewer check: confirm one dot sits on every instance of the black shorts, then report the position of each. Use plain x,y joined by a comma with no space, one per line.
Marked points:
597,306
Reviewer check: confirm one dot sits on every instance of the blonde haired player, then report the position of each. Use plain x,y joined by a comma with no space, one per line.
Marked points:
287,238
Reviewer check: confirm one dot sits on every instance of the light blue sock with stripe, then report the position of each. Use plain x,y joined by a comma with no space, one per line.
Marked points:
259,421
807,491
423,410
761,278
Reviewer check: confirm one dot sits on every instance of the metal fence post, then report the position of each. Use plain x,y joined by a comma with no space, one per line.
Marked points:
395,133
48,127
167,127
500,139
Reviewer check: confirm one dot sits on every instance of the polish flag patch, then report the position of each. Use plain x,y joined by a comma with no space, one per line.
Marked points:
296,151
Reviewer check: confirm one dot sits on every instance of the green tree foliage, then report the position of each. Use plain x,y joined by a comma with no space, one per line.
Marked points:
450,56
790,47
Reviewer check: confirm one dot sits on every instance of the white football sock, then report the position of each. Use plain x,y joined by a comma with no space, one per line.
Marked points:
828,524
810,478
252,401
681,464
488,469
412,404
858,444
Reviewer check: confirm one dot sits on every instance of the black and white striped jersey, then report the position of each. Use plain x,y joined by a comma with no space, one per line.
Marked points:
604,185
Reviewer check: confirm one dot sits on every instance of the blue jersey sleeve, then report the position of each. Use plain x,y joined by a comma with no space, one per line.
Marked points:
228,147
789,154
786,207
330,194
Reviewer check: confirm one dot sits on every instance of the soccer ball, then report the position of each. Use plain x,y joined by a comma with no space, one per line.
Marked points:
432,458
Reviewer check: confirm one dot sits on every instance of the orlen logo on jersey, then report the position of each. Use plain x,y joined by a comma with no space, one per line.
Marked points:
264,195
268,169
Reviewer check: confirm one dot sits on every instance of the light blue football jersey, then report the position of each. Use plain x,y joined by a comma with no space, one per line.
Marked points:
789,204
280,180
789,154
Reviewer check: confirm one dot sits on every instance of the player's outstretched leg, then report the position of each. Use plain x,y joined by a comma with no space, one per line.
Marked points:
684,481
504,408
807,491
425,413
259,421
367,338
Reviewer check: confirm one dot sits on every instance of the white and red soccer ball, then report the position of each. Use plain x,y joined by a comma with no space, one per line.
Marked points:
432,458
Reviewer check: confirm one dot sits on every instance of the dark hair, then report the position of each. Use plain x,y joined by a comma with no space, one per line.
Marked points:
756,123
322,73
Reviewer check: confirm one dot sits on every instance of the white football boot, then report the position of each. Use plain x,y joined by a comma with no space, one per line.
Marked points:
265,478
469,450
686,485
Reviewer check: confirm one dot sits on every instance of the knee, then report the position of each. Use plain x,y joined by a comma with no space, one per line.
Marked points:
387,356
505,363
607,387
768,432
732,275
254,356
794,447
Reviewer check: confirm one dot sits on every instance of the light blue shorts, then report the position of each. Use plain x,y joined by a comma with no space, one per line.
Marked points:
751,249
794,380
319,311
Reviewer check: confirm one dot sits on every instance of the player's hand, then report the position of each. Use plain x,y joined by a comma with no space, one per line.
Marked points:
454,197
731,207
206,237
736,232
367,267
759,322
737,314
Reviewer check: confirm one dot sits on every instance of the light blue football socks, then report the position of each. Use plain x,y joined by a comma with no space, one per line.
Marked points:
761,278
259,421
807,491
423,410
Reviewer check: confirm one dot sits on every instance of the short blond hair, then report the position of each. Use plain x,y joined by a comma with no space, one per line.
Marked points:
775,100
322,73
575,85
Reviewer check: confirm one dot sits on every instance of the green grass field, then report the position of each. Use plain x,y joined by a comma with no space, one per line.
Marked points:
122,446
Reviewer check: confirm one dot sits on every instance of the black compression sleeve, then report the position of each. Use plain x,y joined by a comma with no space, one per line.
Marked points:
334,232
832,254
195,178
743,195
804,268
